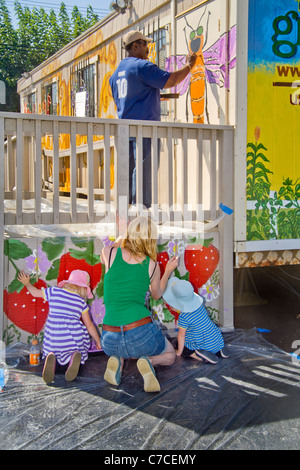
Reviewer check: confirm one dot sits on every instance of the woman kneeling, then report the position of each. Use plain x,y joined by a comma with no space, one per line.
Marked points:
128,331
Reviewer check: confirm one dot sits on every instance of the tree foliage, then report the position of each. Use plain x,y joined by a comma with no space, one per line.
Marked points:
37,37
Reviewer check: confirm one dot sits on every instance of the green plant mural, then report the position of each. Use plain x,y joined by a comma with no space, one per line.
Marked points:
277,213
288,218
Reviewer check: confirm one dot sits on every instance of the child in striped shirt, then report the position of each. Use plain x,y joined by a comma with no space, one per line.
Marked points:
198,336
68,326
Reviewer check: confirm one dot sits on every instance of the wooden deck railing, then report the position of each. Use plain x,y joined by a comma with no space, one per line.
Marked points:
81,167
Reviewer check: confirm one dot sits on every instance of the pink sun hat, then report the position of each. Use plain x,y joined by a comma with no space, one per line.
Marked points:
79,278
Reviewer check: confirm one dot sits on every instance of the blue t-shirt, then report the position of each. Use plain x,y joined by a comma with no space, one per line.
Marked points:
201,332
136,86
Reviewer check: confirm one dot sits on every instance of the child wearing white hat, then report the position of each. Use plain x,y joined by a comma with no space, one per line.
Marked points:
198,336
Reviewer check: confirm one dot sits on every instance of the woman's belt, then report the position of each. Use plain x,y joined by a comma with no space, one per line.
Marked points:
130,326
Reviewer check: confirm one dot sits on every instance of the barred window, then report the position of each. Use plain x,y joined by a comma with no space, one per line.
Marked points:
50,98
29,103
83,90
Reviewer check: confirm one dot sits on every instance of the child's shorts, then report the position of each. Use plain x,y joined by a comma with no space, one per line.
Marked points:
145,340
187,352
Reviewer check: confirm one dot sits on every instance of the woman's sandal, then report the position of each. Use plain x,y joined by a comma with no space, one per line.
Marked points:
151,384
112,374
73,368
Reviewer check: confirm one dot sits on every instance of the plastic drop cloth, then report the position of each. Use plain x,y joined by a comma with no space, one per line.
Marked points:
248,401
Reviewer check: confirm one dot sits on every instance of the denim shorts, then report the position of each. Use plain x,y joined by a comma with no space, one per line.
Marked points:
145,340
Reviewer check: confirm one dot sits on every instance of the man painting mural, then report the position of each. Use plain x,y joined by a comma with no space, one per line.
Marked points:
136,86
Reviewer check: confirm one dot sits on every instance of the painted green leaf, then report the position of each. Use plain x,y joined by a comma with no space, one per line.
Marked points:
15,249
100,286
162,247
168,317
53,271
80,242
15,286
263,157
88,254
53,247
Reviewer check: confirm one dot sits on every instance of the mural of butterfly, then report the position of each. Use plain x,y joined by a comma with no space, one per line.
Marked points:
213,65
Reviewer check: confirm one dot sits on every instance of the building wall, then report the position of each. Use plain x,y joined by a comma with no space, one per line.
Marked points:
101,47
273,165
212,82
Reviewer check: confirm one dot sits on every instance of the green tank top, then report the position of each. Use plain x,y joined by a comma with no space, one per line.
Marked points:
125,288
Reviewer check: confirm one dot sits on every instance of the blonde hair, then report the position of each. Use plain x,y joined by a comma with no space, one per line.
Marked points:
141,238
82,291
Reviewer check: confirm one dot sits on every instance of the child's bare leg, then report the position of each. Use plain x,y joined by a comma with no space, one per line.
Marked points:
196,357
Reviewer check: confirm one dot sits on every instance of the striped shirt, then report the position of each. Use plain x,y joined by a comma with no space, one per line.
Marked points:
64,331
201,332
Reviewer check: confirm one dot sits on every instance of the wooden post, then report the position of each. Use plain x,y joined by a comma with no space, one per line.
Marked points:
90,169
38,171
139,167
107,166
226,230
19,173
1,227
73,175
122,170
55,173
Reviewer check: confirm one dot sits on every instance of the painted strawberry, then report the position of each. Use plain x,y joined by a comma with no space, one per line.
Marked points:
26,312
68,263
162,259
201,262
174,312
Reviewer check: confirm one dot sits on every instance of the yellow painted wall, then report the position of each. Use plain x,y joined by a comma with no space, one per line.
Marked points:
270,109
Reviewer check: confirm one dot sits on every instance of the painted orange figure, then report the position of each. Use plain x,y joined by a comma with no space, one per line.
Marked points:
197,80
198,75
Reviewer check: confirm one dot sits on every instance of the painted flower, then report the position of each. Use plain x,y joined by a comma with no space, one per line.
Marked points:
209,291
108,241
257,133
159,311
97,310
38,262
176,247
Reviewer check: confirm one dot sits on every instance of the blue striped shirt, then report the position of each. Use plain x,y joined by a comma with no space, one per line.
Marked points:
201,332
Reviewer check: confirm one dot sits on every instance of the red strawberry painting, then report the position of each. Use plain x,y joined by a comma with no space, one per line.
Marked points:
201,262
25,311
162,259
174,312
68,264
29,313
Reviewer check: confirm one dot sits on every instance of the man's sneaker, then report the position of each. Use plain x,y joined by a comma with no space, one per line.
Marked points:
224,353
206,356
